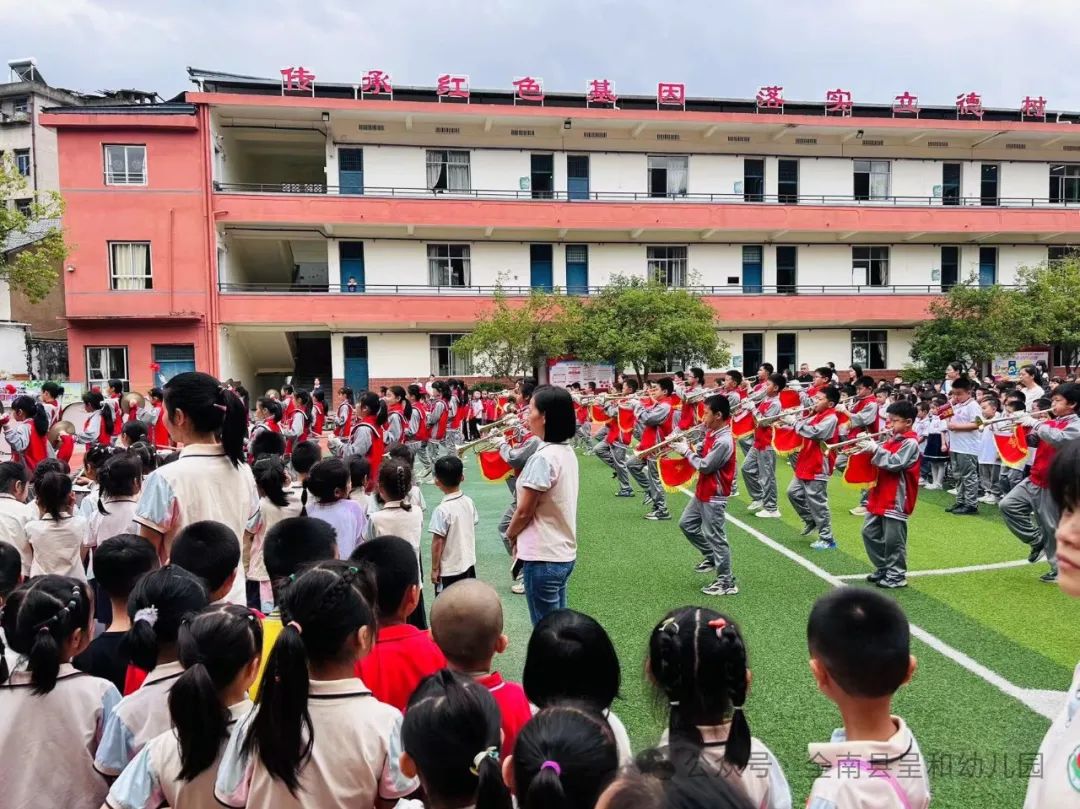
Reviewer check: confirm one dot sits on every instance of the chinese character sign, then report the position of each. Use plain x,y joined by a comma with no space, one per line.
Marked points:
600,91
376,82
1033,107
528,88
449,85
838,101
905,104
770,98
969,104
297,79
671,94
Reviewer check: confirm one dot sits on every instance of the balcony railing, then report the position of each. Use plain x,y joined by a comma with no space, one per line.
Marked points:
513,194
363,290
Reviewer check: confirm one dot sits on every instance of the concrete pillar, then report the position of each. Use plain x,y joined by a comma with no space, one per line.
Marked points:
333,267
337,364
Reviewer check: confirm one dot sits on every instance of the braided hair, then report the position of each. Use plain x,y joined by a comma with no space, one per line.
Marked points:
40,618
395,481
697,661
321,612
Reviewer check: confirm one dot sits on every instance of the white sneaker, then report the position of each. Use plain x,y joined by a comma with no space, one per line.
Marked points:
518,588
933,487
988,498
922,483
755,505
765,514
953,492
858,511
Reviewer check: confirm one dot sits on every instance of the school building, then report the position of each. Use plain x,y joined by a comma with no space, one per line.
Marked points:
353,231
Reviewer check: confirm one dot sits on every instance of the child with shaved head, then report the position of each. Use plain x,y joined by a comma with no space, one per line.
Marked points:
467,625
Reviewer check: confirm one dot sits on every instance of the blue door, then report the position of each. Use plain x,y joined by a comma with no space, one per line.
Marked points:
987,266
540,267
577,269
352,266
751,269
351,171
356,363
577,176
172,360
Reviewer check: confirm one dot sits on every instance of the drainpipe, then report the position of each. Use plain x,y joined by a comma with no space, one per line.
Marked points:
33,140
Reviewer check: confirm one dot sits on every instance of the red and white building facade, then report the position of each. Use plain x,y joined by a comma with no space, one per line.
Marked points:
352,231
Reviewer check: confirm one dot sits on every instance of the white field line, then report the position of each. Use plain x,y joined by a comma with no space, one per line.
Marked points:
1044,703
948,571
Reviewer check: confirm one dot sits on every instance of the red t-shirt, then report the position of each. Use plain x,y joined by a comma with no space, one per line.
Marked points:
402,657
513,705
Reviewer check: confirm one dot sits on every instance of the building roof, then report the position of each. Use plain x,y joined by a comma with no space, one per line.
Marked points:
164,108
37,231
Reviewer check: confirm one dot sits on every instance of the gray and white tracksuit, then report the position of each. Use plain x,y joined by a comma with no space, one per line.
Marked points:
885,537
644,470
865,420
810,498
702,522
1029,510
747,441
516,458
614,455
436,448
759,466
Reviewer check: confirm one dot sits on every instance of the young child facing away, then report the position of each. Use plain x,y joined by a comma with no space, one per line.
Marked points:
404,453
14,511
276,503
1053,785
697,662
571,657
450,739
467,624
49,705
359,475
160,600
210,551
398,517
672,779
119,563
219,649
119,483
317,736
402,655
565,757
57,538
453,527
328,483
304,456
860,655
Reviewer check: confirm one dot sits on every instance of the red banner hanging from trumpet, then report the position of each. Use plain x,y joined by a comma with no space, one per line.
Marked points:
675,472
785,440
860,472
789,398
742,425
1012,446
598,414
492,466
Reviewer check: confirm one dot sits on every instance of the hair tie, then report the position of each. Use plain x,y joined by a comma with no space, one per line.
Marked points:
669,625
220,407
148,614
489,752
552,765
296,625
718,624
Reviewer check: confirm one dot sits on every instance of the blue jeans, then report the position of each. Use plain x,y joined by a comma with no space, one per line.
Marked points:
545,587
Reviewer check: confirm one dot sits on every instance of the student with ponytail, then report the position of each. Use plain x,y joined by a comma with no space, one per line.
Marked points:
398,517
26,429
296,426
328,485
451,737
277,502
119,482
368,437
51,713
317,736
160,601
57,539
418,432
697,663
399,413
210,481
51,394
98,428
344,418
219,649
563,759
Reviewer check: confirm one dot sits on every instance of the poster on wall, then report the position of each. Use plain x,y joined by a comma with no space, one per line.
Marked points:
1008,366
566,372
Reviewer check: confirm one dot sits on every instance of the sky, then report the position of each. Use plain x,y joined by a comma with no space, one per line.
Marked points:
935,49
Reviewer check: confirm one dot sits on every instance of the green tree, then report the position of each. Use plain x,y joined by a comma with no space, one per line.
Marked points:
516,335
972,324
1050,305
32,269
638,323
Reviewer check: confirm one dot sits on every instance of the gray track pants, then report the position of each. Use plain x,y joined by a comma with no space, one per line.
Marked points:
759,474
885,540
614,455
989,477
703,524
1030,513
966,469
644,472
810,498
1009,478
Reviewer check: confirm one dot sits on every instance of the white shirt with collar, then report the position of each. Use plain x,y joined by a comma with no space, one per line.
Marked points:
57,545
455,518
13,519
139,717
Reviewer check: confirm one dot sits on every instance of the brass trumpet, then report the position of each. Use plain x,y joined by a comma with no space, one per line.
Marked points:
479,445
840,446
692,434
504,423
791,411
703,393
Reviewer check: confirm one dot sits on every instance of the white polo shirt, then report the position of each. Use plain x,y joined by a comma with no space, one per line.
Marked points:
201,485
551,535
455,518
1057,784
13,519
57,545
965,442
139,717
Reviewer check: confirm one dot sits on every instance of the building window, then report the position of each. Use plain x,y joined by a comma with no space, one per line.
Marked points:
129,265
104,363
950,267
23,205
125,165
667,175
577,269
787,181
787,261
444,361
950,184
988,257
448,170
22,162
449,265
988,183
870,266
1058,253
786,343
20,105
753,180
1065,183
871,179
667,265
669,366
870,349
752,273
753,352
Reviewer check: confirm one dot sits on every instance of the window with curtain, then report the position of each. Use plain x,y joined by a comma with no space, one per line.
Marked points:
668,175
786,344
125,164
448,170
445,361
870,266
667,265
129,266
870,349
449,265
106,362
871,179
1065,183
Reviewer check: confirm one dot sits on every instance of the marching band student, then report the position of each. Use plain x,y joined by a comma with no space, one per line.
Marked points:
963,428
892,498
476,415
417,433
267,417
489,407
343,420
688,410
1029,509
399,414
702,521
115,390
51,394
318,413
367,439
438,421
989,460
655,417
759,464
288,402
764,371
28,433
612,450
862,420
159,433
296,427
1010,476
808,492
98,428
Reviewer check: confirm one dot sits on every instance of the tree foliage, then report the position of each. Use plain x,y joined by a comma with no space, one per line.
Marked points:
1050,307
32,269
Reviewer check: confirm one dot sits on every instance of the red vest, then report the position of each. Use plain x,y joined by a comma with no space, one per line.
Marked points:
118,421
423,432
461,415
35,451
762,435
653,434
440,428
378,449
812,458
1044,456
344,422
688,412
721,481
104,436
882,497
161,432
855,408
66,448
320,418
